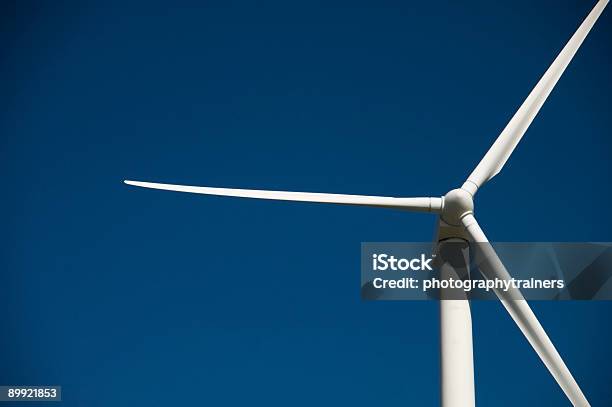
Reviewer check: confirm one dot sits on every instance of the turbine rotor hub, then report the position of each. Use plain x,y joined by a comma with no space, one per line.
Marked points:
456,204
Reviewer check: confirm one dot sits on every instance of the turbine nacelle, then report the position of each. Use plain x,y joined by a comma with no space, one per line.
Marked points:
456,204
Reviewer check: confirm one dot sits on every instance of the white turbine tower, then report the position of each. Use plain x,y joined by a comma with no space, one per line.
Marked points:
457,223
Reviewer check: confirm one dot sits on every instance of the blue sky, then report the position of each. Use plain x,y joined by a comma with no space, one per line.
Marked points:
127,296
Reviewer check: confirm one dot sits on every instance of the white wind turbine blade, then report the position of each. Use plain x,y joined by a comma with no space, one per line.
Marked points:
412,204
491,267
502,148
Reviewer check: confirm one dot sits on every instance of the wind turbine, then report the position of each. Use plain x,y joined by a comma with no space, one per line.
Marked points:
456,223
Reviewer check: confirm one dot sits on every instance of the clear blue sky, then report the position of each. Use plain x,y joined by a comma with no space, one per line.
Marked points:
133,297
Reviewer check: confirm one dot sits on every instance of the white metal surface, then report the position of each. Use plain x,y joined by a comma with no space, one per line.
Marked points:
456,204
412,204
502,148
520,311
456,351
456,358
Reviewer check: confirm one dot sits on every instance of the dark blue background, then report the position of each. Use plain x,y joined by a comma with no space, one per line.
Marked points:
132,297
